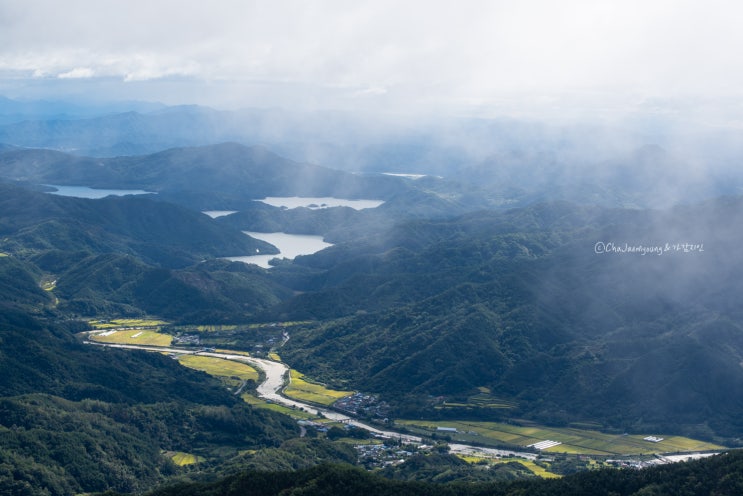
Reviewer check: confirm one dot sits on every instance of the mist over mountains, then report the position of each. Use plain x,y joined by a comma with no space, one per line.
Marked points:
652,164
570,276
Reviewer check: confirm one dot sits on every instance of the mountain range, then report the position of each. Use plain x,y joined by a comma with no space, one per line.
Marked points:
509,161
562,313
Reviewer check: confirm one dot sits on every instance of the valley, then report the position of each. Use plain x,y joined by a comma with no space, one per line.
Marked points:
370,248
276,387
427,335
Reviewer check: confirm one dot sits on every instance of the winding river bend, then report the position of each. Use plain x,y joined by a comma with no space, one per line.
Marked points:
276,374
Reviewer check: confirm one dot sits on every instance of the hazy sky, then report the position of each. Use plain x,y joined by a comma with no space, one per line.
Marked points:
526,57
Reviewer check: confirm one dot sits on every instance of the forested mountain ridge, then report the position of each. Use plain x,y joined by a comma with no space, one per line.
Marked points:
158,232
623,318
512,162
76,418
719,475
130,256
225,175
522,302
530,304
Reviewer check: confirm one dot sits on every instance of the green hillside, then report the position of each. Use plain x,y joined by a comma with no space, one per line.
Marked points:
720,475
621,320
159,233
225,175
521,303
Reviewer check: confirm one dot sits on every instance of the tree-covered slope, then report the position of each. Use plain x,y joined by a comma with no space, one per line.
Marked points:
156,232
79,418
207,177
720,475
526,303
209,292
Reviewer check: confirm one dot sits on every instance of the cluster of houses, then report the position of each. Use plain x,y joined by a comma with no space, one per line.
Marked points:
361,404
382,455
187,339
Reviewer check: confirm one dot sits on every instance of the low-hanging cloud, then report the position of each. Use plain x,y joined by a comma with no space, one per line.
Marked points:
552,57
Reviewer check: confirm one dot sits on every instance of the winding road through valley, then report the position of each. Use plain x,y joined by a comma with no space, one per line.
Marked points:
275,377
276,374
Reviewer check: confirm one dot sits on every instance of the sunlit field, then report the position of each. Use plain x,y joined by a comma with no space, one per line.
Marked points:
573,441
180,458
134,336
219,367
124,323
302,390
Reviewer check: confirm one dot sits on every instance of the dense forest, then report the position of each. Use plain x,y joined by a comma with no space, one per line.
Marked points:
521,303
721,475
78,419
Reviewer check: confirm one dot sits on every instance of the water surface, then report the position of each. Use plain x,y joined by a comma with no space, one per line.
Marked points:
218,213
319,202
93,193
289,245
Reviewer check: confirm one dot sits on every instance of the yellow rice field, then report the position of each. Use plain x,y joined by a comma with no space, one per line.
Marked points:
574,441
133,336
302,390
219,367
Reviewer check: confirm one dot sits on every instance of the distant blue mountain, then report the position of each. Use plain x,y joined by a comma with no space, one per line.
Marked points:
507,161
14,111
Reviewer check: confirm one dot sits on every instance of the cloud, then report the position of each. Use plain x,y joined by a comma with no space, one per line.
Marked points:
77,73
551,56
369,92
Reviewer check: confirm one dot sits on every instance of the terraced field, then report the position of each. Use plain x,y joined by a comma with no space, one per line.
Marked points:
484,399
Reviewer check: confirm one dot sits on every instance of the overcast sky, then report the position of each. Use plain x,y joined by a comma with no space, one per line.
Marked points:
526,57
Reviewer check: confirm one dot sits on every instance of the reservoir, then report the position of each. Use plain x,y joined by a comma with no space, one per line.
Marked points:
290,246
317,203
218,213
94,194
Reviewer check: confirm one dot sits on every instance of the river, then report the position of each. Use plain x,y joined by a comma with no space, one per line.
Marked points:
275,373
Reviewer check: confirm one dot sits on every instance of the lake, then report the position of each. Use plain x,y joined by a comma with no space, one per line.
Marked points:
315,203
407,176
218,213
290,246
94,194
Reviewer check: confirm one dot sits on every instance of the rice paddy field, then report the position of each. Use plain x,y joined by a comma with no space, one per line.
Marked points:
484,399
180,458
232,352
302,390
215,328
219,367
533,468
133,336
573,440
123,323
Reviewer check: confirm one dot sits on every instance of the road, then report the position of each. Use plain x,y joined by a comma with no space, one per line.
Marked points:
276,374
275,378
